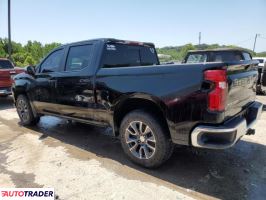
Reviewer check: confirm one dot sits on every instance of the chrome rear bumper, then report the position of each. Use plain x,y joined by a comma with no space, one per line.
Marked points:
226,135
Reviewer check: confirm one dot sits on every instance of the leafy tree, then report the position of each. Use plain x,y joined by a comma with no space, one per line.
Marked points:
262,54
29,61
184,50
29,54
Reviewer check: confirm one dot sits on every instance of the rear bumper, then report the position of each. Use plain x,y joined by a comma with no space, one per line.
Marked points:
5,91
226,135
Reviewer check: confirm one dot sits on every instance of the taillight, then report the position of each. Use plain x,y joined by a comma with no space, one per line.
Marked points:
217,96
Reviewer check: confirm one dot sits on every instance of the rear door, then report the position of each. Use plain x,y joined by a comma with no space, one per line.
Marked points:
75,89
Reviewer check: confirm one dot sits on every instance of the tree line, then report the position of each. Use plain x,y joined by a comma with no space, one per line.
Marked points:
28,54
32,52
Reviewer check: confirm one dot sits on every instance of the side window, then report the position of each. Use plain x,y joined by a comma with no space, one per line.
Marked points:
226,56
148,56
197,58
52,62
246,56
79,57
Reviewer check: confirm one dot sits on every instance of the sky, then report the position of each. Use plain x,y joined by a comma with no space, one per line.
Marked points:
163,22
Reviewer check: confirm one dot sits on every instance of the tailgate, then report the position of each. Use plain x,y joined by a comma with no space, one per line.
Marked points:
242,78
5,77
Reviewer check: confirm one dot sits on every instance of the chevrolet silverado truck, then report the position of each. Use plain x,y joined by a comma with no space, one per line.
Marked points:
225,55
150,107
7,72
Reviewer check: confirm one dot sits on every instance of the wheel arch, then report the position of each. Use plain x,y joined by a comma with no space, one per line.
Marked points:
21,88
151,105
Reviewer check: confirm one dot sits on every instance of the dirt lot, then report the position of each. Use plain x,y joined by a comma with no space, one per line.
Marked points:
83,162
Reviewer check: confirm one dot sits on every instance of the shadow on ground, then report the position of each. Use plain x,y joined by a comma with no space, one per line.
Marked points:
6,103
236,173
229,174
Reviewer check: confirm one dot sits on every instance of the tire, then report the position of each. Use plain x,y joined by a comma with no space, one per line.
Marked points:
25,112
149,147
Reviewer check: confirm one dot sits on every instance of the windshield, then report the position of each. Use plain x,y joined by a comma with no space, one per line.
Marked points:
6,64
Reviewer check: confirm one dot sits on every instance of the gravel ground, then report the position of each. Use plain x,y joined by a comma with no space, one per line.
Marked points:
83,162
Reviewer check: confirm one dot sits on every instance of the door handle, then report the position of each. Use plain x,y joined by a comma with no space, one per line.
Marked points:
53,83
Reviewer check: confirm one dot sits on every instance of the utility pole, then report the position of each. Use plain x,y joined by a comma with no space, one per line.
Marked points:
199,38
255,41
9,31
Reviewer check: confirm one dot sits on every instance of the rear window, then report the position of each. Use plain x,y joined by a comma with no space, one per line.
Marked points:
225,56
121,55
196,58
6,64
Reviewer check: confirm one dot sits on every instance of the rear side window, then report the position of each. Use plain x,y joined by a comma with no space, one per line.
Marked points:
79,57
225,56
121,55
6,64
148,56
196,58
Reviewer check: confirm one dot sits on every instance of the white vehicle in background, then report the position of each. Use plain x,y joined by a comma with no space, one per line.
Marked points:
262,61
262,73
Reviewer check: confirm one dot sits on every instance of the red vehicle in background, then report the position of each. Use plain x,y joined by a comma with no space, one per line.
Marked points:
7,71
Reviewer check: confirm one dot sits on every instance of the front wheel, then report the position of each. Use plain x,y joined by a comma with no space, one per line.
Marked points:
144,139
24,111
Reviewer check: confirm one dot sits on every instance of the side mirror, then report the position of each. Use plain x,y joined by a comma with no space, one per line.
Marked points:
31,70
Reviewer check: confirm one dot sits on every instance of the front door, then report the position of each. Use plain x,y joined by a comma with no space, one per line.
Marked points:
43,91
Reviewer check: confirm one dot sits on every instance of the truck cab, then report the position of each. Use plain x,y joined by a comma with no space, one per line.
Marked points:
217,55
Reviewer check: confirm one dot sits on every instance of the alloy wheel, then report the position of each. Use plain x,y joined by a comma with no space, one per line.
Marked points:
23,110
140,140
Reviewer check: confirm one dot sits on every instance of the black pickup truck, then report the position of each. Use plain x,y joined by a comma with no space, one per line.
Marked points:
151,107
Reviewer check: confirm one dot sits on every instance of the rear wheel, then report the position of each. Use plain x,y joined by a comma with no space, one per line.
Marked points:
25,112
144,139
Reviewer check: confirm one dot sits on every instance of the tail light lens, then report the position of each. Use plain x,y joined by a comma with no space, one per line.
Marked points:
217,97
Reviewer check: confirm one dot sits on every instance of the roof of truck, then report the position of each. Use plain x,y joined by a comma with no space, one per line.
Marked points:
220,49
110,40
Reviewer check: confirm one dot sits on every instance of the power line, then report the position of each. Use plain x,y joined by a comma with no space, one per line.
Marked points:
251,38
